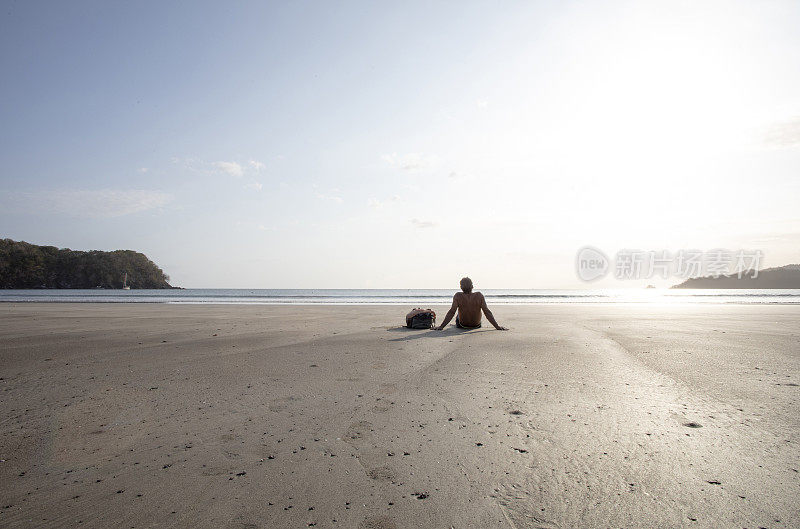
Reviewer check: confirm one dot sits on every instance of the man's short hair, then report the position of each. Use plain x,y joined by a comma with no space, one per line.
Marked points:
466,285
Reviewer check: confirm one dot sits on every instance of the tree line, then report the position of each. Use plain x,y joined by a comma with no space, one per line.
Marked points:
24,265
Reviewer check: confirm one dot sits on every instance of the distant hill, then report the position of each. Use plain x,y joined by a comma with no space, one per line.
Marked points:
781,277
24,265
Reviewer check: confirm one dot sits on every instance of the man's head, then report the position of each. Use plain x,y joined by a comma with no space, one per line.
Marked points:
466,285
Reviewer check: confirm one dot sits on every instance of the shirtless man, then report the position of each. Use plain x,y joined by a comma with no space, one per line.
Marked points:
469,305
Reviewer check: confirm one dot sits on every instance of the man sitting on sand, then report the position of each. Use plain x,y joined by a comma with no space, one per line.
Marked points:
469,305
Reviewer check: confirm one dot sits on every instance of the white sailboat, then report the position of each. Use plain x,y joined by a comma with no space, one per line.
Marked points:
125,282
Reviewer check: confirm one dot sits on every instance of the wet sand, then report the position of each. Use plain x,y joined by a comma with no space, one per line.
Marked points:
270,416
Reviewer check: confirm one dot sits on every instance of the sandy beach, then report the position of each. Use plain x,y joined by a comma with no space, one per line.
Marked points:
296,416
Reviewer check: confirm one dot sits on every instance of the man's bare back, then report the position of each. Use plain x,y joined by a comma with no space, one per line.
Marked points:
469,306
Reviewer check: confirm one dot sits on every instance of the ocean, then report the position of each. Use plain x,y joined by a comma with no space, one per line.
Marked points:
410,297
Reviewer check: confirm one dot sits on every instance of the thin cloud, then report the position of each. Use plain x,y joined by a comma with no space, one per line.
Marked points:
786,134
231,168
409,162
790,238
250,169
424,223
194,165
331,198
378,204
104,203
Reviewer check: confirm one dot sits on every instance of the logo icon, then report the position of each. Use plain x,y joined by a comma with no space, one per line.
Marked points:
591,263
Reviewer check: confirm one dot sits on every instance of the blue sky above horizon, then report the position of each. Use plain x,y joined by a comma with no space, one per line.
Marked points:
358,145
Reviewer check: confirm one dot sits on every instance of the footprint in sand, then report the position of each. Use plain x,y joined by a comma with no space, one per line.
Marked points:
282,404
357,432
387,389
383,473
216,471
519,510
378,522
381,408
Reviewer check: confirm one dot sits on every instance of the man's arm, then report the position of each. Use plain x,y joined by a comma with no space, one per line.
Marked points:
490,316
449,315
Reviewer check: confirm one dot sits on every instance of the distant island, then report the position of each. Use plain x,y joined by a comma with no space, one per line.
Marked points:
24,265
781,277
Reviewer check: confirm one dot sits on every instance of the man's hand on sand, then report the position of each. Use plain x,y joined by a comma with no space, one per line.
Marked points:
439,328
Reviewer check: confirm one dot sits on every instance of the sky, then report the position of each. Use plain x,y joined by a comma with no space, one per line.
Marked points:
400,145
